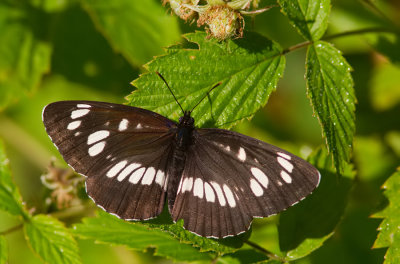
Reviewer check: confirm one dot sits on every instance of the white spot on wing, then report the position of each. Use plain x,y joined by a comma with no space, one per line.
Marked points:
139,126
286,164
74,125
160,178
166,183
136,175
127,171
260,176
198,188
220,194
123,125
77,134
116,168
79,113
180,185
286,177
229,196
187,184
256,188
96,148
149,176
97,136
210,196
242,154
283,155
83,106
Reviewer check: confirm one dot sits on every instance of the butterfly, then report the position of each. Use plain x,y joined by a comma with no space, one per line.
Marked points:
136,160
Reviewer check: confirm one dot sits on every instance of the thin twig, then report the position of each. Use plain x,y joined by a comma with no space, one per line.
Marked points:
339,35
297,46
263,250
12,229
361,31
71,212
258,11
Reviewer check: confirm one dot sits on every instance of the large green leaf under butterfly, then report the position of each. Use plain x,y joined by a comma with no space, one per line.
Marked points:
249,70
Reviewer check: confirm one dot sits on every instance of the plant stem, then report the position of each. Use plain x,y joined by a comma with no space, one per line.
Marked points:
71,212
263,250
10,230
360,31
339,35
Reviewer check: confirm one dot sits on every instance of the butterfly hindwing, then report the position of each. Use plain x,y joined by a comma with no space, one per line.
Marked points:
123,151
230,178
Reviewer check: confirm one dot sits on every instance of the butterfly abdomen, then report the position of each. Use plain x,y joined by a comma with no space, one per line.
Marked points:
183,140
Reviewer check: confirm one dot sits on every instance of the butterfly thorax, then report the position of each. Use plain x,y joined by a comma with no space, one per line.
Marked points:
183,137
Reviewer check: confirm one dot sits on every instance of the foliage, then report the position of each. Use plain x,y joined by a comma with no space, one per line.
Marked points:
84,49
249,70
389,234
303,228
330,88
109,229
10,198
51,240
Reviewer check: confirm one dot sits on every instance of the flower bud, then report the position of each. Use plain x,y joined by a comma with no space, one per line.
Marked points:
222,22
180,8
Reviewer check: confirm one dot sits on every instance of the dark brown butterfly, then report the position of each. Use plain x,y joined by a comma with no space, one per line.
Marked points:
216,180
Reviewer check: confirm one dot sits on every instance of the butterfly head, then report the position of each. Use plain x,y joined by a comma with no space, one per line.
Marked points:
186,120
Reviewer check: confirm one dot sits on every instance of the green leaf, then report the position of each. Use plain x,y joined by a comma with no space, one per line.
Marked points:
3,250
221,246
389,235
109,229
49,238
304,227
248,68
310,18
137,29
24,55
10,198
330,89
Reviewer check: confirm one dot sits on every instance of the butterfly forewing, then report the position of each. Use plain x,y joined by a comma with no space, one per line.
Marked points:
230,178
123,151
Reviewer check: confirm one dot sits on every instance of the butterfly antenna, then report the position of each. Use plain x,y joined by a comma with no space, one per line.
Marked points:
215,86
162,78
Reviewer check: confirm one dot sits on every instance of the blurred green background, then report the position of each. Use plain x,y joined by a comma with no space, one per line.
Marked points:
54,50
